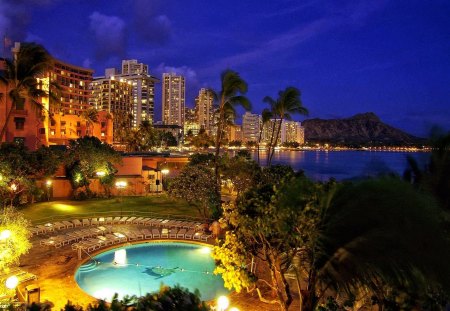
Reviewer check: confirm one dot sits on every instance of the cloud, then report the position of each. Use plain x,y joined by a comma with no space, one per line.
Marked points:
150,24
185,71
87,63
109,34
337,17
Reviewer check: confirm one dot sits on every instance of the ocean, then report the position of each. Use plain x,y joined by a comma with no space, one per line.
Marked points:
322,165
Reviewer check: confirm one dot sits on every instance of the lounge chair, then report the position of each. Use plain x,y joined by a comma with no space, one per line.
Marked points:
136,221
156,234
189,234
173,233
77,223
147,233
59,225
94,222
205,237
181,234
68,224
130,220
109,220
123,220
164,233
101,220
115,221
197,236
86,222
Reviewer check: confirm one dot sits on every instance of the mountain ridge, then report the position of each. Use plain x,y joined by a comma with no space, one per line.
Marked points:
360,129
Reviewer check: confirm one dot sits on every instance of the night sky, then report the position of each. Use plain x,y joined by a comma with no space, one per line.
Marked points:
388,57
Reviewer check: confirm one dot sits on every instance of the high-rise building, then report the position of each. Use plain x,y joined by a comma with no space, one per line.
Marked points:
132,67
234,132
204,109
251,126
290,131
143,90
173,99
114,95
74,83
190,121
60,120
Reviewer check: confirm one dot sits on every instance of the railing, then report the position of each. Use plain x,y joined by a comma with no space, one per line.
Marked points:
50,219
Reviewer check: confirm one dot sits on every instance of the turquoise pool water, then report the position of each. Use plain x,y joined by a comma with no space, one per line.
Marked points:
147,267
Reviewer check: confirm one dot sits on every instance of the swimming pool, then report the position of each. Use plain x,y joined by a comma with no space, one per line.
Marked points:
149,265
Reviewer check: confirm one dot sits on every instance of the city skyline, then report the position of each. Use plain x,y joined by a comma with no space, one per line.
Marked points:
388,57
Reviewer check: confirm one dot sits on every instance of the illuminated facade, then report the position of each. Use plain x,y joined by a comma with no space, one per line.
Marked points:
74,82
173,99
250,126
204,110
190,121
143,90
234,133
115,96
59,121
291,131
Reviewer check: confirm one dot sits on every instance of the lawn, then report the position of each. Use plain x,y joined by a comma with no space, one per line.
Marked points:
161,205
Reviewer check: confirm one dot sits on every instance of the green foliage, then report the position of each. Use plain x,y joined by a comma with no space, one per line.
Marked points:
32,61
16,170
235,143
287,103
85,157
242,172
382,234
276,173
14,244
434,177
176,298
193,184
290,144
202,158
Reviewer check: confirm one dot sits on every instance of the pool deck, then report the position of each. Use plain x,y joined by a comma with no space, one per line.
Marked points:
55,269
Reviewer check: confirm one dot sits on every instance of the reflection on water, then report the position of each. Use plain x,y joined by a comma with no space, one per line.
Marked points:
322,165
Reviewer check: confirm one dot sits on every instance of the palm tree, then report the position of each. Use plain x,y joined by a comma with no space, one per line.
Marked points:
90,116
266,115
288,103
230,96
19,79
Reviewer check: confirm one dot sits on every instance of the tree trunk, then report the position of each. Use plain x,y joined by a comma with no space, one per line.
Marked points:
271,142
8,117
275,142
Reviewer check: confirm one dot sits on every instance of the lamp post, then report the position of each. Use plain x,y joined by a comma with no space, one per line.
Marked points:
120,185
164,172
48,184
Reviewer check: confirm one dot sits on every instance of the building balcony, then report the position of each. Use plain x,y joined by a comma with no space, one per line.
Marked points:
20,112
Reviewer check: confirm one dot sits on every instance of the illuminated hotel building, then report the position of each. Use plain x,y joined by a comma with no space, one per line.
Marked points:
114,95
204,110
143,90
74,82
291,131
60,120
250,126
173,99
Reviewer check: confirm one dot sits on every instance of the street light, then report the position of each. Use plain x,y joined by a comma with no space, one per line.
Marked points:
120,185
164,172
48,183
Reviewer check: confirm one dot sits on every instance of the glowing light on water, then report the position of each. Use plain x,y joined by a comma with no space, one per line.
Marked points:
205,250
120,257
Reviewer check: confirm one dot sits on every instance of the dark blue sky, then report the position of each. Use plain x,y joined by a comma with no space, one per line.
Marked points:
388,57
